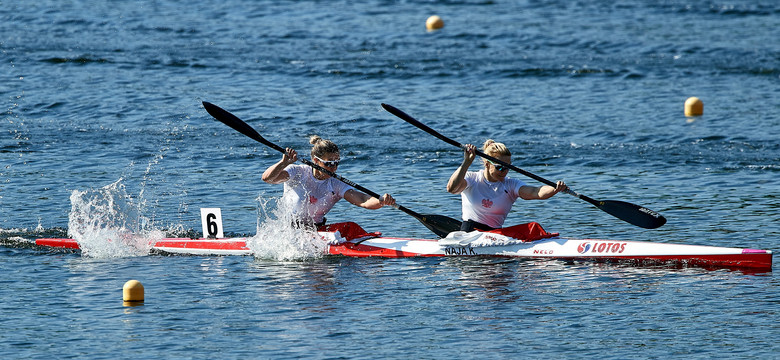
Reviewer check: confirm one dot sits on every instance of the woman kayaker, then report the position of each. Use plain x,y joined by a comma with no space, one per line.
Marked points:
311,193
487,195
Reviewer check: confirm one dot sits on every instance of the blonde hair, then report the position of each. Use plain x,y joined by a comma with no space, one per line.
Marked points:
322,146
494,149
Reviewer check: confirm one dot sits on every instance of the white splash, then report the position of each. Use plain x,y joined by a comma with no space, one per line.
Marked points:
277,239
106,223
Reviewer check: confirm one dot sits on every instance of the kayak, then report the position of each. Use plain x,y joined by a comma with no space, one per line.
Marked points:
521,241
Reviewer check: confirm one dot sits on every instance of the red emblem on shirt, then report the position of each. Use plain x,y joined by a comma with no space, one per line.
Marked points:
487,203
312,199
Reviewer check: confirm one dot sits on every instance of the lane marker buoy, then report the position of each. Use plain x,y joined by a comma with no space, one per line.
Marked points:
133,293
434,23
693,107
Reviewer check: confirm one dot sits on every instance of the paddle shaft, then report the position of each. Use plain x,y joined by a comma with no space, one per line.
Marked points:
239,125
533,176
395,111
631,213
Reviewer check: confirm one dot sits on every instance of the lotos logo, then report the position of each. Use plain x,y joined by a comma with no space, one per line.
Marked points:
602,247
312,199
487,203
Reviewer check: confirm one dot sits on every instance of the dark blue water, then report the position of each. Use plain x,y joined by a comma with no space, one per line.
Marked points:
587,92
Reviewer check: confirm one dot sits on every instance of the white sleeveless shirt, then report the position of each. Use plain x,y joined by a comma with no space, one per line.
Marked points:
308,197
488,202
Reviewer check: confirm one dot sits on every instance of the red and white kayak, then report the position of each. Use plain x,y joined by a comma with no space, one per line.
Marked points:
523,241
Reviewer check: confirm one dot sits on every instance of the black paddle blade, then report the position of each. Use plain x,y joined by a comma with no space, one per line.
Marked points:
231,120
632,213
237,124
439,224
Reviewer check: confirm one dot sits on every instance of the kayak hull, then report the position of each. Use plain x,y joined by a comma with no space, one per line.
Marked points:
634,252
630,252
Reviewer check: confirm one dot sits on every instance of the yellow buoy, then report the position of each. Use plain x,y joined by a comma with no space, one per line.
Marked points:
133,292
693,107
434,23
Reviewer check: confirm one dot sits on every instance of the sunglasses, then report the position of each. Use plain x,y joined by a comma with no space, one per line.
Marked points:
333,163
499,167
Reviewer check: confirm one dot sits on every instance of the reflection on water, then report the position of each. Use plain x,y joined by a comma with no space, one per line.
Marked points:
286,280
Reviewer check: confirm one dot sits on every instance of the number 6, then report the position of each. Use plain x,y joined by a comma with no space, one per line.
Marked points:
211,219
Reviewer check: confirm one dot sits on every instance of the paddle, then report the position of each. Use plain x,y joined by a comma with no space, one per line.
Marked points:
440,225
631,213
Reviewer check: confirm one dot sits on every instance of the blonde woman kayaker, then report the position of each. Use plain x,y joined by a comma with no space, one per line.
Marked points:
311,193
488,195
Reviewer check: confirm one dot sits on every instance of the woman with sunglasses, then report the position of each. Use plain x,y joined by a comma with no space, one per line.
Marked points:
311,193
487,195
